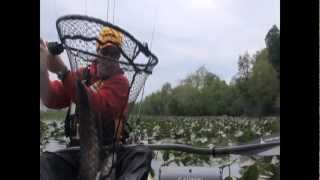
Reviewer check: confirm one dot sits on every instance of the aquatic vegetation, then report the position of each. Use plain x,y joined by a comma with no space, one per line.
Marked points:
209,131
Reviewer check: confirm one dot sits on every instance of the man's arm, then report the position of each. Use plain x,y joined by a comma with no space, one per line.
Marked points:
56,64
52,93
61,93
57,97
56,94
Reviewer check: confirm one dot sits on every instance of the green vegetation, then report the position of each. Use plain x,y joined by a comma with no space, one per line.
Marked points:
264,167
205,111
209,131
203,130
49,115
198,131
253,91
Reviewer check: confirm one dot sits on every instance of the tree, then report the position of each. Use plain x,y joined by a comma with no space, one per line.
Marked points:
166,88
244,66
235,101
213,96
263,85
208,93
166,103
272,41
186,100
152,104
200,78
240,83
254,90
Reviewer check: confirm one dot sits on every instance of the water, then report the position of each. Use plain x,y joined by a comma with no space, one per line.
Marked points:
235,161
55,145
187,131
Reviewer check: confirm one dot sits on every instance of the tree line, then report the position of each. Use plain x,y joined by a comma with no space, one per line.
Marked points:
253,91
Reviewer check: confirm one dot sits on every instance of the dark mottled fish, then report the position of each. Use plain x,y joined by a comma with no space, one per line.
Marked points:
90,146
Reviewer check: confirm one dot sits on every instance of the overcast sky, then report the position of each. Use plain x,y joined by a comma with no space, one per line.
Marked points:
188,33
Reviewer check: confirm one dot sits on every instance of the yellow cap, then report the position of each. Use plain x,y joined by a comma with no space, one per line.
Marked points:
108,34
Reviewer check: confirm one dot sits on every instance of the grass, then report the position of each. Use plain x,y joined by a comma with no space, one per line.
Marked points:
53,115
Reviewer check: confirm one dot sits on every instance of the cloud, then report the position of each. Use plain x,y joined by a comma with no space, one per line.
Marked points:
187,33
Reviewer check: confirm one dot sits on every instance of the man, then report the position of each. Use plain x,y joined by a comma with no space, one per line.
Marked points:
107,89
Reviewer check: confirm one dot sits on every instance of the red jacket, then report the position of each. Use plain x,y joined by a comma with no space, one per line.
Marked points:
107,96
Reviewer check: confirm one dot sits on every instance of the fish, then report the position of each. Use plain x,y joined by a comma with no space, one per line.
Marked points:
91,150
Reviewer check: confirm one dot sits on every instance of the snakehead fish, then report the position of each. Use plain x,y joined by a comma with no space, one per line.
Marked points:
90,144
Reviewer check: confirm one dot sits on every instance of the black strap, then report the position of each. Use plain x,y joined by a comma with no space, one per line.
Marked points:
86,75
214,152
67,123
63,74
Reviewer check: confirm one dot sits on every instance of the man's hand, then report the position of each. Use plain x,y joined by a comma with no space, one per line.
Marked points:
52,63
44,57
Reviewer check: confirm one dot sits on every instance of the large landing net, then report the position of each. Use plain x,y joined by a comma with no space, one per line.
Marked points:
79,36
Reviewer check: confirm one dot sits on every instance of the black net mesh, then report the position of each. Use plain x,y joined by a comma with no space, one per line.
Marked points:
79,36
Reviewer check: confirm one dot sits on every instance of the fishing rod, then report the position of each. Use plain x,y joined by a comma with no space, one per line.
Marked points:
215,151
